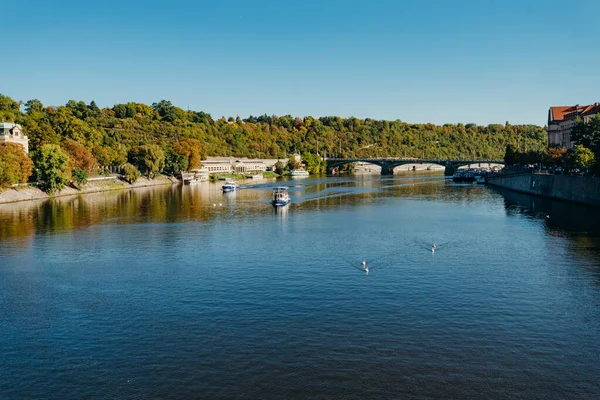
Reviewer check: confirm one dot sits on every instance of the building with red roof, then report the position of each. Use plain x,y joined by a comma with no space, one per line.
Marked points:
562,119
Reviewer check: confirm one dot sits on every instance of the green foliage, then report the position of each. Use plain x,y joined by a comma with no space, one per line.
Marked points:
510,155
175,163
51,166
279,168
588,135
79,177
582,158
130,173
112,133
314,164
15,166
149,159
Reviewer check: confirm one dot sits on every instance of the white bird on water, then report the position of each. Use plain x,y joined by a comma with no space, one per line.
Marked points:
364,267
433,248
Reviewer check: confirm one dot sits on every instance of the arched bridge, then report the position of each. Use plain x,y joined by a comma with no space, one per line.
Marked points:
388,164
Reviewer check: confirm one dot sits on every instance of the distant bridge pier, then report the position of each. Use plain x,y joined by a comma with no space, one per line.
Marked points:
449,170
386,170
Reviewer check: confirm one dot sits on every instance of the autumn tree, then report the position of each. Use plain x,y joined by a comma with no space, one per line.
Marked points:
556,155
15,165
79,156
191,150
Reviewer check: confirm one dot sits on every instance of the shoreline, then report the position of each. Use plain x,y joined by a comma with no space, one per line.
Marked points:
28,193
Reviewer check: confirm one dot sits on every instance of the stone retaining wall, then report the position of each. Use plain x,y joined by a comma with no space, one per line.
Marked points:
579,189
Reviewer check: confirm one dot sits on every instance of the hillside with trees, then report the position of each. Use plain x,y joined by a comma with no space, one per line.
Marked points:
163,138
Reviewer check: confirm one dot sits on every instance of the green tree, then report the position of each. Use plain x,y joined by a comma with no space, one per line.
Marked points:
582,157
510,155
130,173
149,159
79,177
588,134
52,167
175,163
33,105
15,166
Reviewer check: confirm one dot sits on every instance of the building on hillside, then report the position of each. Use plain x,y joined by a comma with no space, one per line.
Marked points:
562,119
11,132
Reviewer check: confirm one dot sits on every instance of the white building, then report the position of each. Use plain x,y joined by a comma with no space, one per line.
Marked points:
227,165
11,132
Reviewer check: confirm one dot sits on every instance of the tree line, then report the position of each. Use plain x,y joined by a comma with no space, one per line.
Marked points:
584,156
72,141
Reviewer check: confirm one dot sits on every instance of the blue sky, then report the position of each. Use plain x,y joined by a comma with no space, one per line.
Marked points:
419,61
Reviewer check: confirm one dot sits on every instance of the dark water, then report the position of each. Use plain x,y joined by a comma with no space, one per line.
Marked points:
188,293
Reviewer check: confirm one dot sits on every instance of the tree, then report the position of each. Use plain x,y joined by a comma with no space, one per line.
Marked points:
582,157
130,173
33,105
279,168
510,156
191,150
79,177
15,165
149,159
588,134
52,167
79,156
175,163
556,155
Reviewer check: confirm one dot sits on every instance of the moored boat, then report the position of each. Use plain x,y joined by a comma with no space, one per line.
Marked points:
463,177
299,173
281,196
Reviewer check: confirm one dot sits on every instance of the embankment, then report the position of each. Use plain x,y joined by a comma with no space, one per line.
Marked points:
578,189
93,186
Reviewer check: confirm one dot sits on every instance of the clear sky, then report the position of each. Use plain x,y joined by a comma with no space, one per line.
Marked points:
439,61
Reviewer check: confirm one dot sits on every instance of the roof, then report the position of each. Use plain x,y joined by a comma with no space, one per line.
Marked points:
9,125
559,113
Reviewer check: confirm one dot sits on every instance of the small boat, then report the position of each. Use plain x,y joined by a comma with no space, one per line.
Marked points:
229,186
299,173
280,196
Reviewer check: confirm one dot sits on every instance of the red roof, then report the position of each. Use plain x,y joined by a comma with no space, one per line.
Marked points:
558,113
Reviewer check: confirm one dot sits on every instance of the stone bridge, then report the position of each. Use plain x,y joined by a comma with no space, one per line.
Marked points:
388,164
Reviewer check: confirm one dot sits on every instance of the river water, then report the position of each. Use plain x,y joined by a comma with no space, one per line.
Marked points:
184,292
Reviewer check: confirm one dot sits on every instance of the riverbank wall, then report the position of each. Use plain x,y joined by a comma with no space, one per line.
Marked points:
578,189
25,193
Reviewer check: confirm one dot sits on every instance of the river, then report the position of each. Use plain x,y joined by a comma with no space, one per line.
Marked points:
184,292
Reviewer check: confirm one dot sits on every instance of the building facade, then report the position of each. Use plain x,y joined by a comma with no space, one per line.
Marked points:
11,132
562,119
227,165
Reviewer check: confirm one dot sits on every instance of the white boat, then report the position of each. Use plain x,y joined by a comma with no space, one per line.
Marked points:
196,176
281,196
257,176
299,173
229,186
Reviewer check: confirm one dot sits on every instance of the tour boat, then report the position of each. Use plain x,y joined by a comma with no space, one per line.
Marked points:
229,186
280,196
299,173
